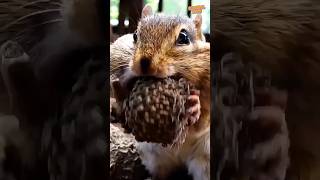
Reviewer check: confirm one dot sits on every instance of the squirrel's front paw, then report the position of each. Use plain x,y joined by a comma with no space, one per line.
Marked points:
193,107
265,142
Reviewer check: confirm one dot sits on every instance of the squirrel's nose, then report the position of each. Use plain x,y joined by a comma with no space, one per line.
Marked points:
145,65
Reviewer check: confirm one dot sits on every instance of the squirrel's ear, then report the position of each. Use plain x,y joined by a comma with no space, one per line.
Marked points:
198,23
146,11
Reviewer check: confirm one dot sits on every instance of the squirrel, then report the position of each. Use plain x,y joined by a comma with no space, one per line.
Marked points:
282,37
53,31
53,53
165,46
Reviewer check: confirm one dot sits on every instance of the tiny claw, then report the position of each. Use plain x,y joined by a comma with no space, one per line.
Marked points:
193,111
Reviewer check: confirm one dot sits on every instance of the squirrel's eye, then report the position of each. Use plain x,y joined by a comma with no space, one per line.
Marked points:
183,38
135,37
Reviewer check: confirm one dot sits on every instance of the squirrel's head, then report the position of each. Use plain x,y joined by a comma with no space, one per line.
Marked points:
162,41
84,20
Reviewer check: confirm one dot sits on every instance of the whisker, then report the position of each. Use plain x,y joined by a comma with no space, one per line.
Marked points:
41,24
36,2
27,16
120,67
57,3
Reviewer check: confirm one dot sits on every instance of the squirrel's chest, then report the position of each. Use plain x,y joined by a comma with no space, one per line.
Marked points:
151,153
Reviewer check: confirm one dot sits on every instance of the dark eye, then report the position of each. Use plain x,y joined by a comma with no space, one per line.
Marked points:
135,37
183,38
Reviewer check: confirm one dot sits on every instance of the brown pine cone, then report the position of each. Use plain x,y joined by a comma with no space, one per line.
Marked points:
155,110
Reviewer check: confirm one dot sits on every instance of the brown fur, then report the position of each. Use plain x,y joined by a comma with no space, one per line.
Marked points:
58,36
157,35
53,33
28,21
156,40
283,37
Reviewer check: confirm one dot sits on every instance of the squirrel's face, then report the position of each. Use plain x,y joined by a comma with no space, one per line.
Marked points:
161,42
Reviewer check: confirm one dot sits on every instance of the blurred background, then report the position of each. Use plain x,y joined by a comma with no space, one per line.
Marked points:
125,14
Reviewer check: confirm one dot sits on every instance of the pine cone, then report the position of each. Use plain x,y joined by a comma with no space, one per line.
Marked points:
155,110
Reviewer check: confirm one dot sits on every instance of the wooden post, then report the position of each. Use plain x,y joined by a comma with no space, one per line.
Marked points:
160,5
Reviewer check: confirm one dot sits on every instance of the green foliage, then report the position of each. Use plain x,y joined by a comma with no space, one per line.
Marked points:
175,7
171,7
114,9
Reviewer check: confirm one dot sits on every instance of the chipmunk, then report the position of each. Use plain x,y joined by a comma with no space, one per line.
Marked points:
167,46
53,31
281,36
